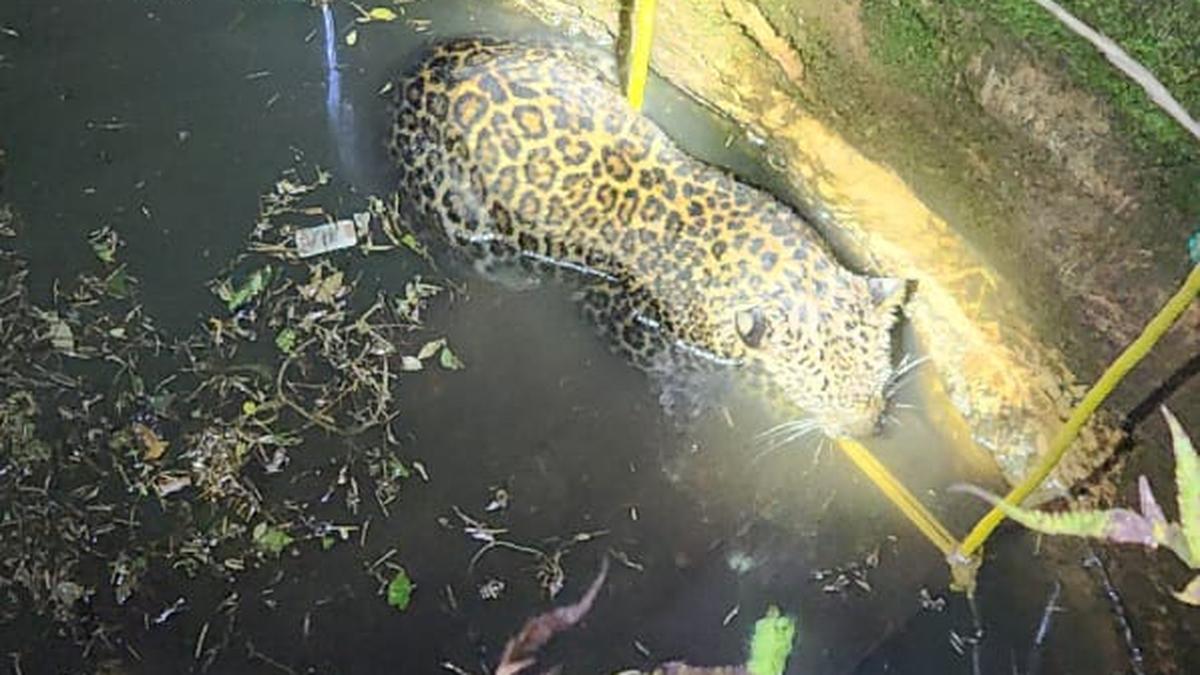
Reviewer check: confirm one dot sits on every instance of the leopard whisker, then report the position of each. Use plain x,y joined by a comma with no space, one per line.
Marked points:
781,437
901,376
785,440
783,428
907,365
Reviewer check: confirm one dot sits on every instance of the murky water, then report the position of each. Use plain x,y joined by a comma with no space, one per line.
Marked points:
167,120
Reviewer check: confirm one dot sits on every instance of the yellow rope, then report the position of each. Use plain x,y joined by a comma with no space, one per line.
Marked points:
895,491
1154,330
639,51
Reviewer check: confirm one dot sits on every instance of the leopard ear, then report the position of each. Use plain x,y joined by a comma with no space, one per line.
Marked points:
889,293
751,326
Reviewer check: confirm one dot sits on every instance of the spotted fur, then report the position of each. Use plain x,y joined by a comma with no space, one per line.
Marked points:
529,152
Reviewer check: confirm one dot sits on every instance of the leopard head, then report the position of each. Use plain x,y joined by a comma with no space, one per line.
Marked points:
829,353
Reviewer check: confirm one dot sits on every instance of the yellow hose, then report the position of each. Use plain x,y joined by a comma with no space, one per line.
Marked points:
639,52
895,491
1134,353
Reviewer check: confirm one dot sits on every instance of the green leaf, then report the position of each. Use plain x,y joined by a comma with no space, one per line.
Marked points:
394,469
255,284
399,590
381,14
104,244
1187,483
1117,525
771,644
271,539
117,283
285,340
449,360
415,246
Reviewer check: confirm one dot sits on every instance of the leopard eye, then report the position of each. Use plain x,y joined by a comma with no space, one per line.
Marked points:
751,326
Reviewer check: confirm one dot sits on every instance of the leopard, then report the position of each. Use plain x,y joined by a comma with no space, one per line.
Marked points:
526,153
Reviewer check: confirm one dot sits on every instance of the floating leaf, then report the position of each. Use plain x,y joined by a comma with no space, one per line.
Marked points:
1190,593
399,590
382,14
1187,482
236,297
352,38
430,348
391,468
771,644
271,539
117,283
326,284
153,447
521,650
166,483
449,360
62,338
104,243
410,363
410,241
285,340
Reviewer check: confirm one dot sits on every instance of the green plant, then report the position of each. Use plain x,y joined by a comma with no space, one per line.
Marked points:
1149,528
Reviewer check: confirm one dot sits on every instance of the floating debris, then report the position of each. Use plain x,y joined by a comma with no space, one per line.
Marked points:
492,589
201,430
399,590
333,236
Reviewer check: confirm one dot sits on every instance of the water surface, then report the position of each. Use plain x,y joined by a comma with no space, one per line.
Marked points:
167,120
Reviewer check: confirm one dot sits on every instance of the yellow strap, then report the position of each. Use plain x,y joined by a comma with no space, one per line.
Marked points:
1129,358
639,51
899,495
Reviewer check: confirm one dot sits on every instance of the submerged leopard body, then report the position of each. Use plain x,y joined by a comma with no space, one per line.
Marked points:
529,152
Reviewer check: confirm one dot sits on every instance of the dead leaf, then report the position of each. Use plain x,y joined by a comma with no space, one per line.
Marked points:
429,349
166,483
61,337
153,447
521,651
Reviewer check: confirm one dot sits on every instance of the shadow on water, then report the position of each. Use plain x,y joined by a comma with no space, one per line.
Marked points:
167,120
